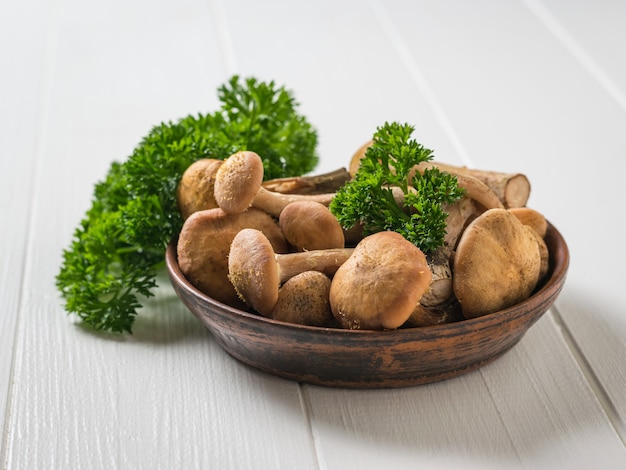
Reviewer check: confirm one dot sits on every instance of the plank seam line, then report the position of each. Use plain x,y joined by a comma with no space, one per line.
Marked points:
305,403
552,24
594,382
507,430
224,36
50,52
407,59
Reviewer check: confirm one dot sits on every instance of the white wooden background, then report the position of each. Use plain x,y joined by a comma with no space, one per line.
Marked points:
536,86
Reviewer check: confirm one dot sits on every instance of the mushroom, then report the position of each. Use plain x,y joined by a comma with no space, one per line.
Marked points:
195,189
380,284
204,243
544,255
496,264
309,225
256,271
303,299
238,185
532,218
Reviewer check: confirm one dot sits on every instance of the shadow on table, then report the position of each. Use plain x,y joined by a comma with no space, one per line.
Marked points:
162,319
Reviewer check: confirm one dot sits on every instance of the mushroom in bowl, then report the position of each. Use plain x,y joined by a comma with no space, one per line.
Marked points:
372,358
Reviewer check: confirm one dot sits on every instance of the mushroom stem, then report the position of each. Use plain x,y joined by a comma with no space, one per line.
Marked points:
274,203
324,261
256,271
238,185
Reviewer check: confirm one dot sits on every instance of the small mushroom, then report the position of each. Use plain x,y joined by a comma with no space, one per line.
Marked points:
195,189
532,218
309,225
544,255
238,185
380,284
303,299
496,265
256,271
204,243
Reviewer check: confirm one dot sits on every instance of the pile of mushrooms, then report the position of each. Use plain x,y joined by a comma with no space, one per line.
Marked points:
275,248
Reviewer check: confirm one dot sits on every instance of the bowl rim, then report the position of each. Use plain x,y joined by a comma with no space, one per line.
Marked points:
559,264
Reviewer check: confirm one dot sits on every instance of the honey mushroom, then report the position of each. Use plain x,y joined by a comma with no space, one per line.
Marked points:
539,224
203,246
380,284
309,225
496,265
195,188
256,271
238,185
304,299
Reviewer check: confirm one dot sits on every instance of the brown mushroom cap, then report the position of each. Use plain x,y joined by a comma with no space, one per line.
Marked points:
496,264
253,272
532,218
204,243
238,180
380,284
309,225
195,189
303,299
238,185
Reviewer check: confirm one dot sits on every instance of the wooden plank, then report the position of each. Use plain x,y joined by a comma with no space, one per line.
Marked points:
468,81
167,397
23,95
593,33
530,409
344,73
526,104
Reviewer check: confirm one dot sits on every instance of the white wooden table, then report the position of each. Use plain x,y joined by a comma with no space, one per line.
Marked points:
535,86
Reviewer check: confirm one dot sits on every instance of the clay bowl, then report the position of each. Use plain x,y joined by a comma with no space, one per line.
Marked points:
371,359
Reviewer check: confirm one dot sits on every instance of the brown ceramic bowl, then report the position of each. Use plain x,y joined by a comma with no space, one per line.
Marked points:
371,359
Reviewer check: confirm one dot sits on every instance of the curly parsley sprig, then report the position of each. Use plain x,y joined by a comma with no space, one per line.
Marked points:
368,199
117,249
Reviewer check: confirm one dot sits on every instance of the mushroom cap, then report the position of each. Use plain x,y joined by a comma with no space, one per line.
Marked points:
532,218
309,225
303,299
380,284
196,186
496,264
253,270
238,180
204,243
355,160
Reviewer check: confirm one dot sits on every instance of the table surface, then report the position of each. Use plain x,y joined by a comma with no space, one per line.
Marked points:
531,86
